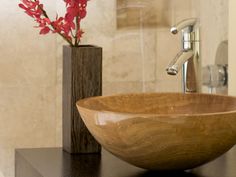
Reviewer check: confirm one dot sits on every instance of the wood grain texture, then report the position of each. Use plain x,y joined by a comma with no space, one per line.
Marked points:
82,78
162,131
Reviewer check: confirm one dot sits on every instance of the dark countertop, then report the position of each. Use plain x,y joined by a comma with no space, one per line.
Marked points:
53,162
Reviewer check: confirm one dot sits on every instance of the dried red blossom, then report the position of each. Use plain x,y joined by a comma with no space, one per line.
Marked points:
68,26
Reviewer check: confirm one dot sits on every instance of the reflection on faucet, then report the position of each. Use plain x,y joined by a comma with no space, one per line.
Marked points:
189,23
189,57
176,64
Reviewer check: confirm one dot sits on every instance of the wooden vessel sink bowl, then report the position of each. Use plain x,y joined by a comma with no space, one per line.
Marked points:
162,131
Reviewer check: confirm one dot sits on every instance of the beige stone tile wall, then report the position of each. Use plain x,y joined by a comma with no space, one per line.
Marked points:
151,13
134,61
27,84
214,27
182,9
232,47
213,15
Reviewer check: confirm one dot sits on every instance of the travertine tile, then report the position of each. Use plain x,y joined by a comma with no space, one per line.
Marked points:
148,45
27,120
27,84
149,86
110,88
58,113
182,10
214,28
7,161
27,116
133,56
126,63
26,58
168,86
149,13
195,8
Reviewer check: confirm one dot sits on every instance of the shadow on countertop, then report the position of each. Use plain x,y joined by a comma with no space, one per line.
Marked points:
166,174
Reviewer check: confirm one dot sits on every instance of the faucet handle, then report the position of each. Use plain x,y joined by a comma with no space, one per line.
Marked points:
185,24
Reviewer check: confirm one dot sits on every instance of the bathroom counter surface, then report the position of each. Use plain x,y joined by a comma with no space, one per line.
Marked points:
53,162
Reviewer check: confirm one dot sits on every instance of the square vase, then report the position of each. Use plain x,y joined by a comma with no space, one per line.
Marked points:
82,78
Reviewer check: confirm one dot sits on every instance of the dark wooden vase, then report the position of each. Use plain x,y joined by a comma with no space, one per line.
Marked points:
82,78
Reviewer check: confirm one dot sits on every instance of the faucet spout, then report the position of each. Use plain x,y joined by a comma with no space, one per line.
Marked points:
188,59
176,64
185,24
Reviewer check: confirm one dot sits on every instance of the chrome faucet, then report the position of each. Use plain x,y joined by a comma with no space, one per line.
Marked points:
189,57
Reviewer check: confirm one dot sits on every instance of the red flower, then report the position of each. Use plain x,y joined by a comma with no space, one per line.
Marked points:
68,26
32,8
44,30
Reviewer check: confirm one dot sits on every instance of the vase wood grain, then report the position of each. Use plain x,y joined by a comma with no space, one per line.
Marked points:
82,78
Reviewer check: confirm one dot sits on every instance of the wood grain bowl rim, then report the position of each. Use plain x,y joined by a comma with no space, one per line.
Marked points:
80,105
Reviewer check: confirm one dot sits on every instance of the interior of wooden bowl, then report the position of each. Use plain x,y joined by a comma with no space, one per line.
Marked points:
161,103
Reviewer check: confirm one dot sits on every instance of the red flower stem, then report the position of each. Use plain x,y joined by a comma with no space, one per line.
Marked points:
72,34
46,15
